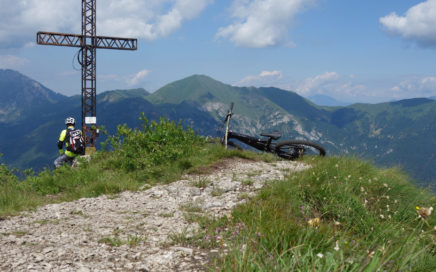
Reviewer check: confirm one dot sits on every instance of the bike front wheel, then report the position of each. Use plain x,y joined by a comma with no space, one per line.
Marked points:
294,149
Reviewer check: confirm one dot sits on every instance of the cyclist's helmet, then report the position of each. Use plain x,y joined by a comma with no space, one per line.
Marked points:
70,121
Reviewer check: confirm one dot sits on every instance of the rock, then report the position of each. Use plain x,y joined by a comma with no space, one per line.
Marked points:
172,190
229,186
47,250
187,251
83,269
213,205
143,268
195,192
128,266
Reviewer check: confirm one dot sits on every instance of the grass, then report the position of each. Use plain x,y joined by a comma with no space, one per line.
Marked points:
217,191
167,215
116,241
247,182
191,208
111,241
201,182
343,214
159,152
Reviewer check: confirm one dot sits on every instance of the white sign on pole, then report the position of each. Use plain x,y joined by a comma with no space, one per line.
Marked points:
91,120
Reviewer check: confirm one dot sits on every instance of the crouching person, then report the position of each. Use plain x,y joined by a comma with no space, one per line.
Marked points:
74,143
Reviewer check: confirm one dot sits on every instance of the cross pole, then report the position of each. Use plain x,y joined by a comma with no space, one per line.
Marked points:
88,42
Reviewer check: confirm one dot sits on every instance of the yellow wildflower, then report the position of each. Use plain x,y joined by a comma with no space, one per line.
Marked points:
314,222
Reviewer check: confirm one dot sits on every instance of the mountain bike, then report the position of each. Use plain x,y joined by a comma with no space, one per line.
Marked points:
288,149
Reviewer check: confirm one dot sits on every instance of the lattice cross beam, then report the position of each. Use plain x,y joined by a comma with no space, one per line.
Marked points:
75,40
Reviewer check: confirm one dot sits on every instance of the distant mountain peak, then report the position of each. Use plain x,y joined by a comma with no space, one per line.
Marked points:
325,100
117,95
190,88
19,93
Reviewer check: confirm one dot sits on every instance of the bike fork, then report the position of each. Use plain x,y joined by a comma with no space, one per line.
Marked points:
226,133
229,115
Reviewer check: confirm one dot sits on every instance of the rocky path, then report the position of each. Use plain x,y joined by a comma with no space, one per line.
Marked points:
130,231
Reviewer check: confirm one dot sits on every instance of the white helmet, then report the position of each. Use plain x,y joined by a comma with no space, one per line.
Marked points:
70,121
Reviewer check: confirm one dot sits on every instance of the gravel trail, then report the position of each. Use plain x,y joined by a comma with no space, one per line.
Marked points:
77,236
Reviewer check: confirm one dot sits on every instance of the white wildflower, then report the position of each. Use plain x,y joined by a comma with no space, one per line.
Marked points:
336,246
425,212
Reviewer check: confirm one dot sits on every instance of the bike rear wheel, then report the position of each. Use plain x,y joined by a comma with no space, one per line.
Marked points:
294,149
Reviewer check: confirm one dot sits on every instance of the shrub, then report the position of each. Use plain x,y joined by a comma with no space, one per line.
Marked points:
154,144
6,175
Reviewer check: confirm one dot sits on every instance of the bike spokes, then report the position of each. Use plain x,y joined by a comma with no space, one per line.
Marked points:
292,150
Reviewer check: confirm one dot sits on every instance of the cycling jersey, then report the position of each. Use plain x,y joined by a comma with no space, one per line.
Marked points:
62,141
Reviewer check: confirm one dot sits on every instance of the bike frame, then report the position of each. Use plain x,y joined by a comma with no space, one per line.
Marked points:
228,116
262,145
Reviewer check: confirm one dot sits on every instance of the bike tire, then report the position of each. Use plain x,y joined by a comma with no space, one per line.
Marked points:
294,149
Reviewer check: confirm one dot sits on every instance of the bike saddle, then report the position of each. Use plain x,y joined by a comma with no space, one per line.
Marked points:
273,135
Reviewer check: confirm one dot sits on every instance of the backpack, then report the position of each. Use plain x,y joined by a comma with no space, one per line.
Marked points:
76,143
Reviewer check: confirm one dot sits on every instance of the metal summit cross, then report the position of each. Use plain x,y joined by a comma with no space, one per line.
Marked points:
88,43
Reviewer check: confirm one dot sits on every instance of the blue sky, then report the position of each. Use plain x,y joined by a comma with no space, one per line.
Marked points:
352,50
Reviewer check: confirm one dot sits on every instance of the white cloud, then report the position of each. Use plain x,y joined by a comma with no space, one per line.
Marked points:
152,19
418,24
311,85
149,20
342,88
265,78
348,87
12,62
415,86
271,73
133,80
262,23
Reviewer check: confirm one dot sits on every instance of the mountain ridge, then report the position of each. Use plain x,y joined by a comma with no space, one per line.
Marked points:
19,93
381,132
